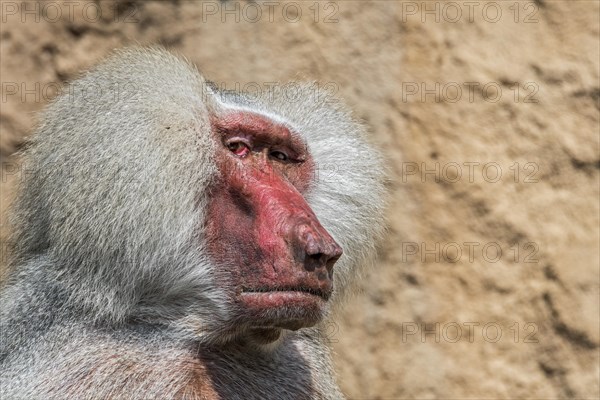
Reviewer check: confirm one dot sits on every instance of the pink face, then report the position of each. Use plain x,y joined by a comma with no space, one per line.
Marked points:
262,231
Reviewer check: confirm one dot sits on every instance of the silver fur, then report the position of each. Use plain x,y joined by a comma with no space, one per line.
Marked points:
111,294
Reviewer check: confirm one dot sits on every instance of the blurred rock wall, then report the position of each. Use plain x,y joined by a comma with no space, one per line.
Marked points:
488,281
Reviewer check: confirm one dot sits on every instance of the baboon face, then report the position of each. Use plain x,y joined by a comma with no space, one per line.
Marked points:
261,233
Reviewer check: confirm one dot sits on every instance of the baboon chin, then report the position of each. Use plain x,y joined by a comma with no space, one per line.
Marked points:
165,229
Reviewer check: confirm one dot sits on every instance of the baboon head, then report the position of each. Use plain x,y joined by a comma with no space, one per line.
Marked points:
153,196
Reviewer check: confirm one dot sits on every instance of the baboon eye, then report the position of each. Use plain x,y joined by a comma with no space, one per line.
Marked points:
238,148
278,155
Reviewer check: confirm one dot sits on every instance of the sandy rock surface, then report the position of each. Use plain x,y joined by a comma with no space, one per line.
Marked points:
487,284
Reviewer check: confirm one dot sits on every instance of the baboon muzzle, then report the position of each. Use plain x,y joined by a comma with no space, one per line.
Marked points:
288,228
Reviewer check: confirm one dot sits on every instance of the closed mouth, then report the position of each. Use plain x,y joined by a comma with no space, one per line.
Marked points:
300,289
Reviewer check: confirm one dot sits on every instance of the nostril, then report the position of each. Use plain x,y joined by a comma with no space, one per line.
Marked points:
325,259
314,261
317,256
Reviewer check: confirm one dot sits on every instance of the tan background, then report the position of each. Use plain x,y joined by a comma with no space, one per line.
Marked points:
533,74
